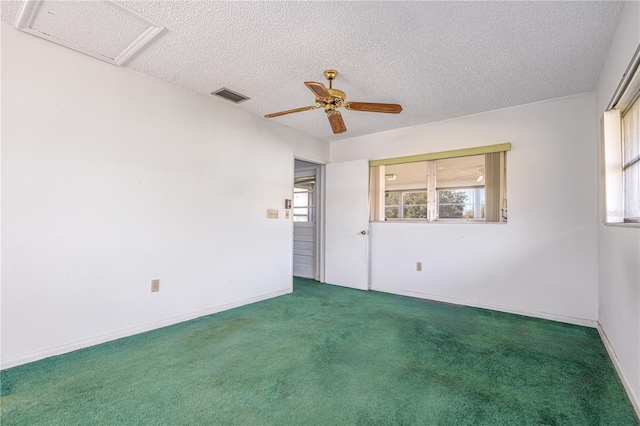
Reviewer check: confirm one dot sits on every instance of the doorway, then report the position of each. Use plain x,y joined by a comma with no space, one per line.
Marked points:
307,220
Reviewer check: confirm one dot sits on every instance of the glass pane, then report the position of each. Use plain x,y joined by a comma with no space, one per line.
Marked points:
301,199
452,203
461,172
474,207
414,198
414,212
301,211
300,218
473,211
391,212
632,192
408,176
391,201
631,133
414,205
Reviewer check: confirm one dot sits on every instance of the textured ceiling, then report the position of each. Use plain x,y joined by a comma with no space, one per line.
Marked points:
440,60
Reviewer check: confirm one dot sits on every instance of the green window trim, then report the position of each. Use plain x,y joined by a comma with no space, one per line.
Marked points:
443,154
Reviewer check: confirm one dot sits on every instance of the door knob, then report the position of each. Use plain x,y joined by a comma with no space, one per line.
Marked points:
364,232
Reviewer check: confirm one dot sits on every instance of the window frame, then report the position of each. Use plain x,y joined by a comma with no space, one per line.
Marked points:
614,163
311,200
497,163
628,164
400,206
458,219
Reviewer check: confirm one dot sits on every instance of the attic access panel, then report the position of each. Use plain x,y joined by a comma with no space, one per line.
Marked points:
102,29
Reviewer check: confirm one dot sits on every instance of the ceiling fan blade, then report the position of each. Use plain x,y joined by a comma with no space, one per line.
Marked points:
373,107
337,123
291,111
318,89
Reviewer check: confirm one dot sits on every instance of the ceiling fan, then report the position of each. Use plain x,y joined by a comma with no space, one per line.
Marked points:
331,98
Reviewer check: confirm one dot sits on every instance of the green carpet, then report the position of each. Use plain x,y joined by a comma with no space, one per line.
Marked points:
327,355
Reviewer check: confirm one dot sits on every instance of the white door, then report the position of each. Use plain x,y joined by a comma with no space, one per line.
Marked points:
305,220
347,224
304,248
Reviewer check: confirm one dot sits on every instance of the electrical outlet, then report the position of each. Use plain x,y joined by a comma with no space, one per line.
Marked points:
419,266
155,285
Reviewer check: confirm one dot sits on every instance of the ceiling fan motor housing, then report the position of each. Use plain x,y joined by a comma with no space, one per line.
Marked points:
338,99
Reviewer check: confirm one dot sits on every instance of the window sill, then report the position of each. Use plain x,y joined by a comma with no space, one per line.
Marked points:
447,222
623,224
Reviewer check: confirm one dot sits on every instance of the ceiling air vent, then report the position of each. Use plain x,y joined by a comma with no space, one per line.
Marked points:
230,95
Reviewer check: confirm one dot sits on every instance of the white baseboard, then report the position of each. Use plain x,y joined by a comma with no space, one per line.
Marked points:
473,304
635,401
70,347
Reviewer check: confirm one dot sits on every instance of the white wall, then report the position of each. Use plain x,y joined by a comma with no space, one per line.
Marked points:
111,179
544,261
619,247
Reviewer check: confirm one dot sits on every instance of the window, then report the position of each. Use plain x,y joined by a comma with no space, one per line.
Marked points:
392,207
465,203
453,186
303,199
406,205
622,149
